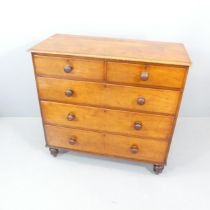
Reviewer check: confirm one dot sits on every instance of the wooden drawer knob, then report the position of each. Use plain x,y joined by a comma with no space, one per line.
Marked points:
69,92
73,140
68,68
134,149
70,117
141,100
144,75
138,125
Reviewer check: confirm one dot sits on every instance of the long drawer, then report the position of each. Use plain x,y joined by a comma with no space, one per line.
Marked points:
107,95
72,68
124,122
148,75
108,144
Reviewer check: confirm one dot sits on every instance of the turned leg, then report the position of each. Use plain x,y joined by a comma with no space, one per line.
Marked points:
158,168
53,151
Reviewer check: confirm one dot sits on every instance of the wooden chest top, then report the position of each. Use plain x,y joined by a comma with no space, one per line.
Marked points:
115,49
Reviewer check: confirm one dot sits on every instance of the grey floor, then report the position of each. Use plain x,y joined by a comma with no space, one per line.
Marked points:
31,179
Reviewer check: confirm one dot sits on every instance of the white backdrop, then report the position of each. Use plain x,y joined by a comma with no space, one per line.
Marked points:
24,23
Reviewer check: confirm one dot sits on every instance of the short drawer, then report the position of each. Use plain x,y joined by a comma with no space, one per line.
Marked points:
113,96
75,139
151,75
107,144
130,123
69,67
136,148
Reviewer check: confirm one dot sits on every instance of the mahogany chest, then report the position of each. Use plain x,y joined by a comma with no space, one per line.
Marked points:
110,97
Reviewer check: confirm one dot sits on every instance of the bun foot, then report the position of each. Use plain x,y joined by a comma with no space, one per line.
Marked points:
53,152
158,168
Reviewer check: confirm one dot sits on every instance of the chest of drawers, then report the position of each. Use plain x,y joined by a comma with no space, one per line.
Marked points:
110,96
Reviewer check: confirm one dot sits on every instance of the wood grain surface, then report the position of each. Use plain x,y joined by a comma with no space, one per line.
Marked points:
106,144
161,76
117,49
113,97
82,69
107,95
154,126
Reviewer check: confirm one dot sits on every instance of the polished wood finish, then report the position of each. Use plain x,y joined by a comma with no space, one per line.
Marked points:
117,49
141,100
146,149
86,140
101,94
68,68
144,75
138,125
154,126
147,75
70,116
107,144
82,69
69,92
110,97
73,140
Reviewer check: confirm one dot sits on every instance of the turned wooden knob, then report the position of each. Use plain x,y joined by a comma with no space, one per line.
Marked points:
73,140
144,75
69,92
70,117
141,100
138,126
68,68
134,149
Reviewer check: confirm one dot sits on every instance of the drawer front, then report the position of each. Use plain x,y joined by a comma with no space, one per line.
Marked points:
117,96
138,74
74,139
69,67
108,144
124,122
136,148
